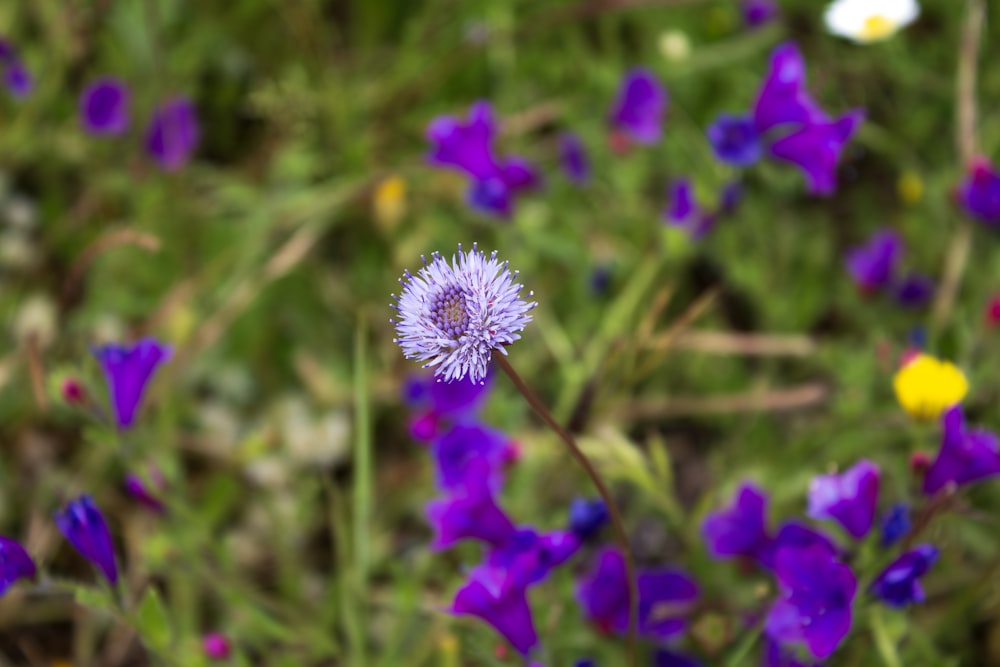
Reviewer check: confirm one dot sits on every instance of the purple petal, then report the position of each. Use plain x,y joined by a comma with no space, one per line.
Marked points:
782,97
873,265
104,107
739,530
735,140
83,525
15,563
914,291
508,613
849,498
815,148
979,193
573,157
899,584
640,107
18,79
965,456
173,134
465,146
127,370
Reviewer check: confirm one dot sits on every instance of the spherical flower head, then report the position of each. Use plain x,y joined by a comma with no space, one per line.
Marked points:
867,21
927,386
452,316
104,107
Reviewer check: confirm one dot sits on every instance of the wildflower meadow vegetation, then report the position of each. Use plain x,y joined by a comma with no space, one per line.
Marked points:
536,333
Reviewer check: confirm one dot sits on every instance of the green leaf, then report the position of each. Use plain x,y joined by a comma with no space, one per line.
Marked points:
152,622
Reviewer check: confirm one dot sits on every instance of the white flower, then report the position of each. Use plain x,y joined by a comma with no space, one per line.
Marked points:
866,21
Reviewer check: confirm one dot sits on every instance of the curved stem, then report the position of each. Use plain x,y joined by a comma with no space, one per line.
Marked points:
602,489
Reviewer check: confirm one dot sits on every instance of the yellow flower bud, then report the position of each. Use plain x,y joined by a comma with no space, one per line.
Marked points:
926,386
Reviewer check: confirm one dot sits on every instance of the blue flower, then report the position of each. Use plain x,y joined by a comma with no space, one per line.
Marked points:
127,370
979,193
899,584
587,516
83,525
640,106
814,600
895,524
848,498
173,134
15,563
573,157
453,316
873,265
104,107
735,140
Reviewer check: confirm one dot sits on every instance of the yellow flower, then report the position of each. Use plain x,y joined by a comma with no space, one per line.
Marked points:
926,386
390,202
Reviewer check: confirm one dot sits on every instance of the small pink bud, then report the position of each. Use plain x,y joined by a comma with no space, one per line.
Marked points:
73,392
919,463
216,646
424,426
993,312
909,354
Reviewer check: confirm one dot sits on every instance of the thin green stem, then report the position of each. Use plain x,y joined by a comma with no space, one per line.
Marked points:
616,519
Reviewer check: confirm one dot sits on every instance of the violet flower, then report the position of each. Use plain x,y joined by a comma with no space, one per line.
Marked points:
758,12
786,124
979,193
468,147
526,558
462,444
173,134
684,211
873,265
83,525
664,597
127,369
587,516
573,157
796,535
216,646
913,291
15,563
848,498
16,77
895,524
814,600
140,491
454,316
965,456
640,106
470,513
740,530
504,608
899,584
441,404
104,107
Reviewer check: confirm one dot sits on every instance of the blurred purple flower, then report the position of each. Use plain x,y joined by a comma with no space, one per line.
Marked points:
848,498
640,106
83,525
664,597
15,563
504,608
526,558
789,124
899,584
684,211
797,535
104,107
979,193
759,12
468,147
454,316
441,404
456,450
895,524
216,646
173,134
740,530
573,157
735,140
668,658
587,516
873,265
470,513
913,291
139,489
814,600
127,369
965,456
16,77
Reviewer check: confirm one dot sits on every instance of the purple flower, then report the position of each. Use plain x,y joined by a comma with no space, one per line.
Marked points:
776,655
468,147
573,157
913,291
139,489
640,106
15,563
104,107
895,524
848,498
128,369
740,529
814,601
735,140
979,193
899,584
216,646
504,608
173,134
664,597
470,513
453,316
684,211
965,456
16,77
794,534
758,12
457,448
667,658
526,558
873,265
788,124
587,516
82,523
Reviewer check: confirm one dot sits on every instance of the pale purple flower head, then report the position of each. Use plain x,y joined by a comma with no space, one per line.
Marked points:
104,107
128,368
873,265
639,109
664,597
815,592
453,316
15,563
848,498
965,456
468,147
173,134
979,193
573,157
899,584
83,525
739,530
